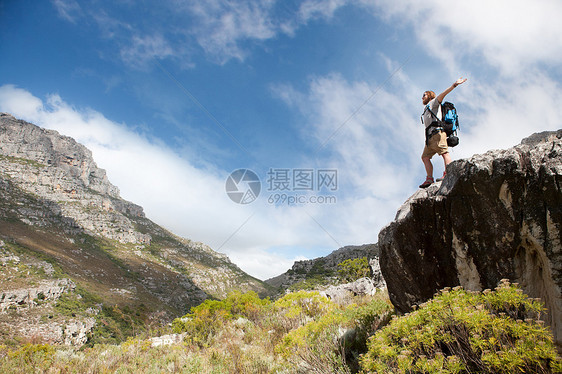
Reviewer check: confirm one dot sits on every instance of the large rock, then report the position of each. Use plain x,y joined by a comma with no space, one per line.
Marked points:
496,215
342,293
46,290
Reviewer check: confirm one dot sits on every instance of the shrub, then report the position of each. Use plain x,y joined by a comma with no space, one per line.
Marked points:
351,270
247,305
32,355
465,332
207,319
332,342
203,322
297,308
310,283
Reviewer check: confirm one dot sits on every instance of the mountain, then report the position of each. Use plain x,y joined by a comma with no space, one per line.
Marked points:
75,255
495,216
323,271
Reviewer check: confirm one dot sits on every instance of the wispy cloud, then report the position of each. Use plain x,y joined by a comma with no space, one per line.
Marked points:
143,50
222,26
223,30
312,9
68,9
509,49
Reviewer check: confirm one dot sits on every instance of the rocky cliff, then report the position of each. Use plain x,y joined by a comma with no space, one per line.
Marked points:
57,169
58,211
496,215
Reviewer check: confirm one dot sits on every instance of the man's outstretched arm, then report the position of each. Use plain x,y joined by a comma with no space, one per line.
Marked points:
442,95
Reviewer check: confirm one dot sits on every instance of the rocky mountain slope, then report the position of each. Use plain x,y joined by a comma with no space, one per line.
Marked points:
66,233
496,215
326,268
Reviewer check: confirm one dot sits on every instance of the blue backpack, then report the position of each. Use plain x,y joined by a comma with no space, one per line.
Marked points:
449,123
450,118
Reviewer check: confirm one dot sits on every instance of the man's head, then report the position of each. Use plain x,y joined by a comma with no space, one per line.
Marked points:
427,97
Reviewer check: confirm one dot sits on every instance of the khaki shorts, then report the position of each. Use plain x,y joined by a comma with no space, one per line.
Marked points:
437,144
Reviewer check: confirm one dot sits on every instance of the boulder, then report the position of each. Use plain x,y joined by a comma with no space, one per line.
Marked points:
496,215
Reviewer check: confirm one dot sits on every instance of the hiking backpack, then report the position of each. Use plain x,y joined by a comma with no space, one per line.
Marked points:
450,118
449,123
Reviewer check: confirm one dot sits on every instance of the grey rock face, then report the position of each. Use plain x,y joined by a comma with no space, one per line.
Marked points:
71,333
48,290
496,215
342,293
62,172
23,140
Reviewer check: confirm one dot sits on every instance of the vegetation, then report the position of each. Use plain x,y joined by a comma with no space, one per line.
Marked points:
351,270
240,334
22,161
463,332
303,332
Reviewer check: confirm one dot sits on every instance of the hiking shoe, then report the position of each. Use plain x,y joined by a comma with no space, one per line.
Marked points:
443,177
428,182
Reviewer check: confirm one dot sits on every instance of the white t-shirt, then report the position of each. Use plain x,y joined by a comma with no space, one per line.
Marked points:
427,117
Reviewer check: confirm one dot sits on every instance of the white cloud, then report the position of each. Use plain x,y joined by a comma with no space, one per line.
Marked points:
499,115
510,49
510,35
224,28
263,264
375,137
191,202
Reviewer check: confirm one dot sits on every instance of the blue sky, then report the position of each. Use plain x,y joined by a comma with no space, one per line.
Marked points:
172,96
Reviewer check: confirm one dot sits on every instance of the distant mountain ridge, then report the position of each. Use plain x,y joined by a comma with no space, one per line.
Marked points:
325,267
57,207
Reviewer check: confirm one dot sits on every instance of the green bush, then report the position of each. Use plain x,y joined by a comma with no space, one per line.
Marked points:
219,340
206,320
332,342
458,331
351,270
114,324
247,305
32,355
302,305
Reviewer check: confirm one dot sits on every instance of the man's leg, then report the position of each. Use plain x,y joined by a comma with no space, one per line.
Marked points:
429,170
428,166
447,159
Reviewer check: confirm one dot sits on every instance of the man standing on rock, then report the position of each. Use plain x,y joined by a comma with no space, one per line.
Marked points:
435,137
